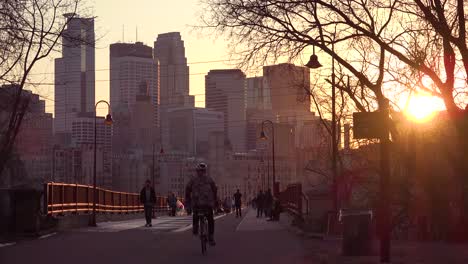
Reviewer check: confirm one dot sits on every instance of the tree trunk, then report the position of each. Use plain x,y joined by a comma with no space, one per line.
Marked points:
461,125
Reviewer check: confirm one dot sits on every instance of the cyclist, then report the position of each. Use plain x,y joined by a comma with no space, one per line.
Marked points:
201,192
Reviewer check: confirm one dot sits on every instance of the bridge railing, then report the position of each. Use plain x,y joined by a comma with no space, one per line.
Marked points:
292,199
65,198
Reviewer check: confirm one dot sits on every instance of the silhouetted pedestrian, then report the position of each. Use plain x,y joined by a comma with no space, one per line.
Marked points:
238,203
268,203
259,201
172,202
148,199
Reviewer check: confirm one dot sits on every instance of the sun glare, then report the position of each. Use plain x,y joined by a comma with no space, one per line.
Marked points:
421,107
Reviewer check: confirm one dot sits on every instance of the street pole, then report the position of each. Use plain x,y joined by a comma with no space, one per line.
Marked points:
92,221
154,186
384,188
53,163
274,166
314,64
268,173
334,141
263,136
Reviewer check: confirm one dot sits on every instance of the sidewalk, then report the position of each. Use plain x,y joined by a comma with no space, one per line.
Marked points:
329,252
252,223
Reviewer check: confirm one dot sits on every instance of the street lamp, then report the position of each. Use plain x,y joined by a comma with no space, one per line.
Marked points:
314,64
264,137
107,121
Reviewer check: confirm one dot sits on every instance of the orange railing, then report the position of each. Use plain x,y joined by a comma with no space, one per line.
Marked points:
65,198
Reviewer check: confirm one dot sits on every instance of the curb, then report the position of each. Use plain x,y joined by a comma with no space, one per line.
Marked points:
318,236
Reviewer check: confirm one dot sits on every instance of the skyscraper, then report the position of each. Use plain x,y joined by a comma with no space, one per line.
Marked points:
132,69
74,73
286,83
258,96
169,51
226,93
190,128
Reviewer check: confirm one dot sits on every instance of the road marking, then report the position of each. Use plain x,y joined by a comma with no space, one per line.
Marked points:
48,235
183,229
7,244
160,224
245,216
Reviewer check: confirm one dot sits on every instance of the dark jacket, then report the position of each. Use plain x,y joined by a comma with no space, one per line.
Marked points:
268,200
260,200
172,201
237,199
143,196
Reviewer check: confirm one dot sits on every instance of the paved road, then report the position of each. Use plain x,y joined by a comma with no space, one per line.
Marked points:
240,240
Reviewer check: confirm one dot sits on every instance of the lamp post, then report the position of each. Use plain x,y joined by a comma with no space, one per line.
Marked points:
161,151
264,137
314,64
107,121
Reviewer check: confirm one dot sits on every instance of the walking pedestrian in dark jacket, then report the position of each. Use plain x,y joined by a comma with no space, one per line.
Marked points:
148,199
238,203
268,203
172,202
259,201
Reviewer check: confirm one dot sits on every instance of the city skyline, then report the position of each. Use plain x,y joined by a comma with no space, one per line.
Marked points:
149,21
204,51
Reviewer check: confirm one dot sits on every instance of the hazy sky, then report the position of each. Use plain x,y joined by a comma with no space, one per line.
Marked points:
152,17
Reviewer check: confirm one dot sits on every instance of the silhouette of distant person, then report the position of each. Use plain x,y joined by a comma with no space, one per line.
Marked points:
148,199
259,201
268,203
238,203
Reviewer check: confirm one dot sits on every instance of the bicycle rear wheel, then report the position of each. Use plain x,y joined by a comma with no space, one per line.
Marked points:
203,235
203,245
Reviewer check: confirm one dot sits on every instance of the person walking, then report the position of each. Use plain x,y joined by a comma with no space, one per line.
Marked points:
172,202
148,199
268,203
238,203
259,202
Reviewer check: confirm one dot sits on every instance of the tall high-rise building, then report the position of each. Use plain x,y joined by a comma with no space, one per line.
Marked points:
190,128
82,135
31,158
286,83
133,128
74,73
169,51
132,69
226,93
258,96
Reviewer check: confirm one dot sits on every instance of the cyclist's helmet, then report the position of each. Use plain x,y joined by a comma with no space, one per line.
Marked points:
202,166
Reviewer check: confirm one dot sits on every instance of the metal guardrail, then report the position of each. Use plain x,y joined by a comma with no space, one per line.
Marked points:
65,198
292,200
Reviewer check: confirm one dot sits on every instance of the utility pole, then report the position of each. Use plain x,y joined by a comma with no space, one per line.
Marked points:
154,186
385,213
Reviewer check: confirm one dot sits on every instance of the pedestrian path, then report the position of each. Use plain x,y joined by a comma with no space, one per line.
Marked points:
161,224
252,223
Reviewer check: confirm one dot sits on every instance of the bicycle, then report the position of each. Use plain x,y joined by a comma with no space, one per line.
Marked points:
203,228
203,224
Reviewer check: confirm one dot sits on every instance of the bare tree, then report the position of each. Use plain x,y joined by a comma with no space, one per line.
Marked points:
390,47
30,30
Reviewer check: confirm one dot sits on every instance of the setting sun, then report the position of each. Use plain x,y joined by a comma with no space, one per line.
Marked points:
422,107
